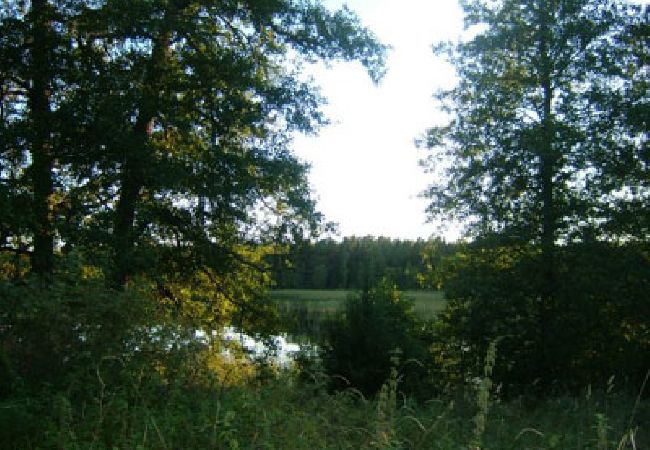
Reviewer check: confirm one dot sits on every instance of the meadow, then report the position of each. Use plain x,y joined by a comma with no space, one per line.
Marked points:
305,312
327,301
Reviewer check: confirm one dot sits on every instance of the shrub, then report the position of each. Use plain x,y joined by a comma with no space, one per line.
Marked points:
376,325
595,325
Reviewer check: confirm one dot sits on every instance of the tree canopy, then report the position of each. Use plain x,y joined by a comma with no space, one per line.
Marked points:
545,159
156,133
548,136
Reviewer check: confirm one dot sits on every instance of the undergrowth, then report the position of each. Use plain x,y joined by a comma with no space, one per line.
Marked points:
282,413
115,373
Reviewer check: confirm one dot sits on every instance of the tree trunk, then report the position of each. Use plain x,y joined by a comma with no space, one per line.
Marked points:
134,170
548,164
42,152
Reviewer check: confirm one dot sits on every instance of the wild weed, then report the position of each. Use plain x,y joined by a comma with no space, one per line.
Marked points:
483,395
385,430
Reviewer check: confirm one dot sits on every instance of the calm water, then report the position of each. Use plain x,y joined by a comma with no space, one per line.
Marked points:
304,315
278,348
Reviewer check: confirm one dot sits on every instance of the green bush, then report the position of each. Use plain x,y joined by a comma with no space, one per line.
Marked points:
595,325
86,370
74,332
376,331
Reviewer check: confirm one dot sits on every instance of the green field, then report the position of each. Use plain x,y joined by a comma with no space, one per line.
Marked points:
327,301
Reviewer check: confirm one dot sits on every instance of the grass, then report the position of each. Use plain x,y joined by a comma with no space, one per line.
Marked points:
327,301
283,414
303,312
185,400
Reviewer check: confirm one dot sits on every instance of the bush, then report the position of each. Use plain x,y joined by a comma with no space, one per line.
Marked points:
376,327
595,326
76,355
50,336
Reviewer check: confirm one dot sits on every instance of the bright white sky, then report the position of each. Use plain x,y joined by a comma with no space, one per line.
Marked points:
365,171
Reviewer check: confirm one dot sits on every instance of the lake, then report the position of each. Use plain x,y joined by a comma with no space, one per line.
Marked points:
303,317
305,312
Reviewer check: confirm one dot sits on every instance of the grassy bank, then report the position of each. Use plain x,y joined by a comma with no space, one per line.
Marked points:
426,303
195,397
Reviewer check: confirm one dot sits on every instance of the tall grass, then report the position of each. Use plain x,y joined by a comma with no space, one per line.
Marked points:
281,413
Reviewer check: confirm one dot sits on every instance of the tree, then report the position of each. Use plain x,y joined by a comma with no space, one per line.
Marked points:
34,51
544,144
218,101
539,104
174,120
145,144
376,326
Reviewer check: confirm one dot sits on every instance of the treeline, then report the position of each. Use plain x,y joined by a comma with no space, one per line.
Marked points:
352,263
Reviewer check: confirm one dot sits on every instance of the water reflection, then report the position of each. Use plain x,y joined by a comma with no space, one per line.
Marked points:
278,349
303,331
305,324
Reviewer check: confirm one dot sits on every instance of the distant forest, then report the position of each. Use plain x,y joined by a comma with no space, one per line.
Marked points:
352,263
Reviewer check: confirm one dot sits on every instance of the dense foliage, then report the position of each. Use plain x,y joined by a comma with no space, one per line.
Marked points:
377,332
156,134
149,197
152,139
546,140
545,158
599,330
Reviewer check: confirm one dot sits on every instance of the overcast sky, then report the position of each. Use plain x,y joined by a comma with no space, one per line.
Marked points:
365,171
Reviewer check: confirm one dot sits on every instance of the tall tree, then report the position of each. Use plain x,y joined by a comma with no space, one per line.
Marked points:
540,147
162,128
211,91
34,51
539,103
39,92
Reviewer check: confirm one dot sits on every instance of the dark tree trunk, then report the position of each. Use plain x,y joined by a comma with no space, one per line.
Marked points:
131,181
548,163
42,152
134,171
